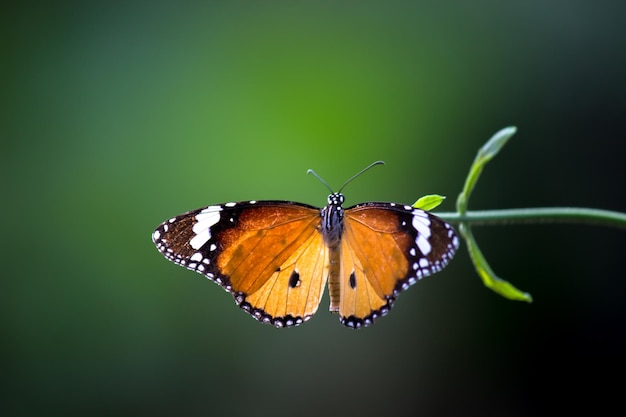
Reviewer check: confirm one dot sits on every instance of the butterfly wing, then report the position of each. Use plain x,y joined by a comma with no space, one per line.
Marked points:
385,249
268,254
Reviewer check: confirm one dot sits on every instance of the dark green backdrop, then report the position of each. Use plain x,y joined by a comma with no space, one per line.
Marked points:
116,117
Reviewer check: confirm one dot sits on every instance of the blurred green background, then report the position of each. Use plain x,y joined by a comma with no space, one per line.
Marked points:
117,116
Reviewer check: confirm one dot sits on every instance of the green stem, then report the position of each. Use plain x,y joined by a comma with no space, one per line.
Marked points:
530,215
539,215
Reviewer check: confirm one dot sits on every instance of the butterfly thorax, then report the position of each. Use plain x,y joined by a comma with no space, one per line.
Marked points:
332,220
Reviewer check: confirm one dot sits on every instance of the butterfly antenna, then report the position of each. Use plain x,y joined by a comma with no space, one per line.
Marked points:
310,171
359,173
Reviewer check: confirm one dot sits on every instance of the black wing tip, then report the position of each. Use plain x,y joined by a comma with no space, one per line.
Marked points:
260,314
418,274
354,322
419,271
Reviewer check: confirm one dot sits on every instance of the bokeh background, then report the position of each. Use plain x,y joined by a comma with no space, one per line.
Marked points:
116,116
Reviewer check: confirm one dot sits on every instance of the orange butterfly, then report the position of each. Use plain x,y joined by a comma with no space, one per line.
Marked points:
276,256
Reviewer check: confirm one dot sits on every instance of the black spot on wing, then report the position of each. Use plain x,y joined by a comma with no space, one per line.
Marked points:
352,280
294,279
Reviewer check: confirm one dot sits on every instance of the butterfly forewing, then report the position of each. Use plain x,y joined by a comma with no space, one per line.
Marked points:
268,254
385,249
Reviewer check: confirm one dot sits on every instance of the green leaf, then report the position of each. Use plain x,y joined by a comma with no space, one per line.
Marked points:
490,279
429,202
484,155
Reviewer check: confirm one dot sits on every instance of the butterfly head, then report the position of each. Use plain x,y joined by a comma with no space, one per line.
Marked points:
336,199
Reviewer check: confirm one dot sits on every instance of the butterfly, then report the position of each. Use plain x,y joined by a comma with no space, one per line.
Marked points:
275,257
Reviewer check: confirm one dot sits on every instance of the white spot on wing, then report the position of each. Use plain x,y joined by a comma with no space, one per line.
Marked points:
200,239
422,225
423,245
205,220
156,235
418,212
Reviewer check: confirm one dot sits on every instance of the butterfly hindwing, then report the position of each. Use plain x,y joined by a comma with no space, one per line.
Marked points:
268,254
385,249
